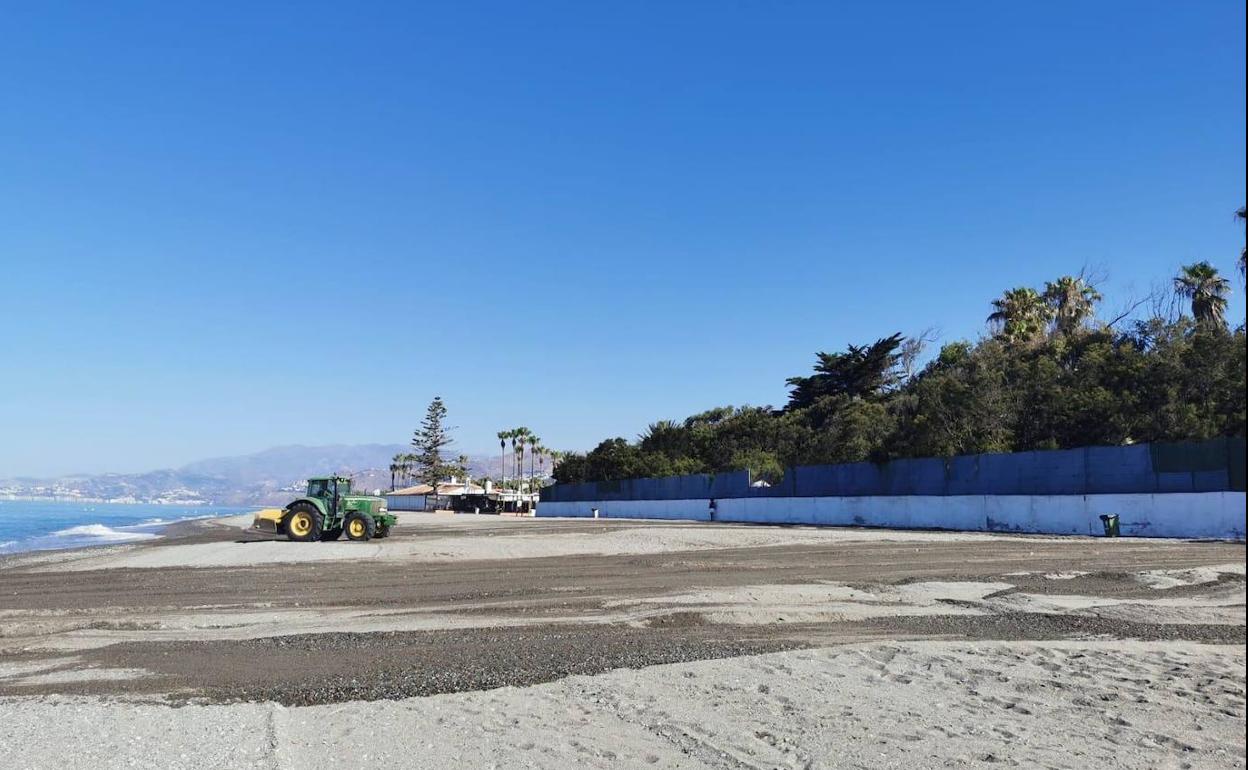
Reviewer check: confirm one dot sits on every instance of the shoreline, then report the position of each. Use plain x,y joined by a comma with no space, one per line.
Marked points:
115,535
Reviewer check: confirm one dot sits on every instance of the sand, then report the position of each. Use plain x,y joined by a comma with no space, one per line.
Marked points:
532,643
913,704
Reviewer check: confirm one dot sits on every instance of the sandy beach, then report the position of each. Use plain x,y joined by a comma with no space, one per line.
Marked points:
487,641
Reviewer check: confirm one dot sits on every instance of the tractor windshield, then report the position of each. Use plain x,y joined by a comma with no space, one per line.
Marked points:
325,487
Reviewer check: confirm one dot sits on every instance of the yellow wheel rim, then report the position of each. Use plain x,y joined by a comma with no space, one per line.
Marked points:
301,524
355,528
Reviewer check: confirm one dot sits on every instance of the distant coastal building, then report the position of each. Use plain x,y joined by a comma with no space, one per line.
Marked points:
460,496
424,497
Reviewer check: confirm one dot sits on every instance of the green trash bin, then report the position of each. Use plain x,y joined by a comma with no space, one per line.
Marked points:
1110,520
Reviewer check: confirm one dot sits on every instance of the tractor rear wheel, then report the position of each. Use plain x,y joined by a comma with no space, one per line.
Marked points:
333,533
303,523
359,526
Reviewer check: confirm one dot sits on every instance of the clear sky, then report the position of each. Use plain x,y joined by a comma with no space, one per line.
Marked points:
226,226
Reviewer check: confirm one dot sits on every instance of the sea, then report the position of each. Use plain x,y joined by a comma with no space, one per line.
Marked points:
45,525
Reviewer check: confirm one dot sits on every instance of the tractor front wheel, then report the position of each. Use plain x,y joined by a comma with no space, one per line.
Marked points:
303,523
359,526
383,531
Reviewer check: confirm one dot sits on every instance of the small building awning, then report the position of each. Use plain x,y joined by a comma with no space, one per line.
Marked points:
445,489
419,489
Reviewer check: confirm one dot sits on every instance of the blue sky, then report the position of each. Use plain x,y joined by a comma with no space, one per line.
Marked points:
229,226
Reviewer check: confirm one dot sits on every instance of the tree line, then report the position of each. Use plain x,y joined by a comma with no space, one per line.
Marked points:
427,463
1050,374
524,440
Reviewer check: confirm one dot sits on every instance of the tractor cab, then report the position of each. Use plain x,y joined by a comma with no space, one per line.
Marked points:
325,488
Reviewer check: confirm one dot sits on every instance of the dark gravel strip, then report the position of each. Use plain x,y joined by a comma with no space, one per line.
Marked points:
328,668
1035,626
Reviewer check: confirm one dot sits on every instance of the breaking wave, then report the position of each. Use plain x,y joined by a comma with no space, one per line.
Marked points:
36,525
102,533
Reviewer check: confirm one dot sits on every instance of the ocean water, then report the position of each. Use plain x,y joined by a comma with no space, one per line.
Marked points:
47,525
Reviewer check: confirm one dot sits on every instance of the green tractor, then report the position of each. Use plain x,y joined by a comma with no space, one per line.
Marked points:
326,512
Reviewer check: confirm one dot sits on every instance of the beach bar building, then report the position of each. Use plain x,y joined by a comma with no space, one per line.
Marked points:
447,496
462,497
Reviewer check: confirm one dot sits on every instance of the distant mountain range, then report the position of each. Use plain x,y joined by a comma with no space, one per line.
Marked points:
269,477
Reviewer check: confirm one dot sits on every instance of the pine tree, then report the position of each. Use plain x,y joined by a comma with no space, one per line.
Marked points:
429,442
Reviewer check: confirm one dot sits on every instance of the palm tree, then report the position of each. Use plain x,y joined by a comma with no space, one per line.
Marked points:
556,456
1242,217
514,436
1072,301
1207,290
517,451
534,444
503,435
396,467
1020,315
542,454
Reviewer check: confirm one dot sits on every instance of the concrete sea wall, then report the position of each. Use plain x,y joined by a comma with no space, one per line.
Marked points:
1175,514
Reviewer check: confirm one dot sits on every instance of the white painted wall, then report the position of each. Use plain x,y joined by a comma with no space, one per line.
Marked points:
630,509
1175,514
405,502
